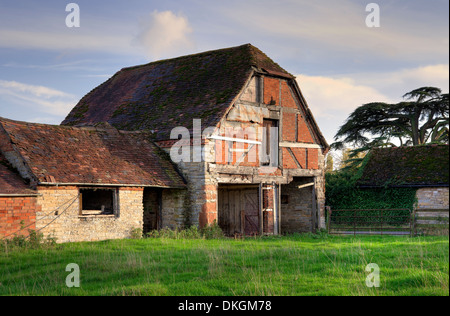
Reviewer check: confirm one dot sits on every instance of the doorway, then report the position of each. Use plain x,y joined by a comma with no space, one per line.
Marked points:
152,209
239,210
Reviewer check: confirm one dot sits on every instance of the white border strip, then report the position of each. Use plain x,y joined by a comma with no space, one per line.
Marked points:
238,140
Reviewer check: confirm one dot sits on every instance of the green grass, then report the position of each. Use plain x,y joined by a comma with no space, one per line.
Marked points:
287,266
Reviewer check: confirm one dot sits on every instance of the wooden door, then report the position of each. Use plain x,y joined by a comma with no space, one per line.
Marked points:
239,211
251,212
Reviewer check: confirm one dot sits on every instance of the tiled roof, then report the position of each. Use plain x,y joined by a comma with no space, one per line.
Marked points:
10,181
407,166
169,93
70,155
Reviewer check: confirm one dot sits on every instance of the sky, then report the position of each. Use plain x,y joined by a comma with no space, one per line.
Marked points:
340,62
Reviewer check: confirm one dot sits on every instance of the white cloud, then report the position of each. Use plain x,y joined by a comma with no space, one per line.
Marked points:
46,99
328,96
332,99
397,83
163,34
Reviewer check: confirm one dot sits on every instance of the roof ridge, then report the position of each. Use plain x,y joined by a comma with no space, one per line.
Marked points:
199,54
163,94
75,128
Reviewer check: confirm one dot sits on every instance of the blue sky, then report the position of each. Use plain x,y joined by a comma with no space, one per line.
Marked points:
46,67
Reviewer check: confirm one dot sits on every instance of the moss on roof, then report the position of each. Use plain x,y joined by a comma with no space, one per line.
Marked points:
164,94
90,155
407,166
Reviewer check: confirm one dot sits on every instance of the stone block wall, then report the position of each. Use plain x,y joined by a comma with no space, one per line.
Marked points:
296,207
198,205
174,209
432,211
433,198
60,210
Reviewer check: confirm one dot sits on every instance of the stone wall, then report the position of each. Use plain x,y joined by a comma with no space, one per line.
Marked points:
174,209
196,206
296,207
432,211
60,210
432,198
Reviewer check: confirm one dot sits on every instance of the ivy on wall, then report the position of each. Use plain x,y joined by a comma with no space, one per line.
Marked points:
342,193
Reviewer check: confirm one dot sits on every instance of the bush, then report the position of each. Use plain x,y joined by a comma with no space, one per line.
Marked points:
136,233
209,232
34,240
212,231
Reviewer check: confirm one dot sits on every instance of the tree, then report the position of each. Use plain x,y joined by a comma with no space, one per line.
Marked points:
351,158
330,164
423,117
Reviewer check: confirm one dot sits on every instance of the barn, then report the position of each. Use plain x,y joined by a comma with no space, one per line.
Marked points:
235,126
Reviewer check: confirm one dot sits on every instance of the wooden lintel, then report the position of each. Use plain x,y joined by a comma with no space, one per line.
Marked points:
306,185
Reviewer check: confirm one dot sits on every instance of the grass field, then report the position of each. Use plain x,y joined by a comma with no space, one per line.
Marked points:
281,266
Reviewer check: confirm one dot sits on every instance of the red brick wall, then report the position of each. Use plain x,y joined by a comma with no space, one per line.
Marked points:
271,91
268,222
289,127
300,155
287,99
313,159
268,206
304,134
268,198
294,126
208,213
16,213
288,160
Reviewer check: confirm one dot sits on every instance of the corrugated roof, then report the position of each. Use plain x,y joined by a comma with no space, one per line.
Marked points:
413,166
70,155
169,93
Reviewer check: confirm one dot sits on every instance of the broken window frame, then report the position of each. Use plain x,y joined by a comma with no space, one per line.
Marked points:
269,156
103,211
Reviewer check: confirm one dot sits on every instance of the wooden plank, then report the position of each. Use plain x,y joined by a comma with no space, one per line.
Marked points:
306,185
243,222
80,201
299,145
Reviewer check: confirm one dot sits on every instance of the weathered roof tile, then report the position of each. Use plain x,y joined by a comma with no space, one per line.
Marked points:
70,155
407,166
169,93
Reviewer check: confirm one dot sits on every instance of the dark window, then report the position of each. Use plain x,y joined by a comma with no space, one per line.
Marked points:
285,199
97,201
259,90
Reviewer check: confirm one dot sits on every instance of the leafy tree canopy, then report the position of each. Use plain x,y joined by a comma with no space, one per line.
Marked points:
423,117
